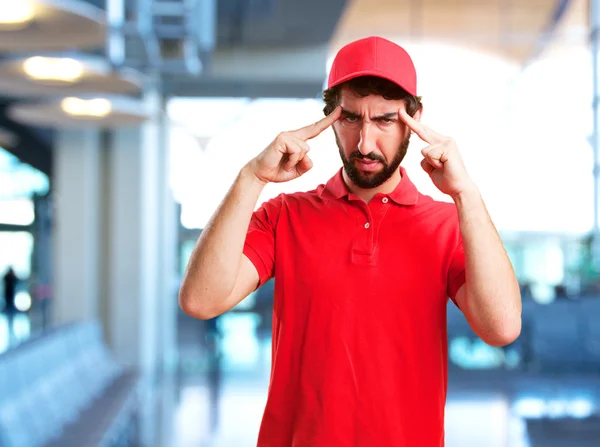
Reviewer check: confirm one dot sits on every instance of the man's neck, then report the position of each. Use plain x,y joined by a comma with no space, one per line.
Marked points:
367,194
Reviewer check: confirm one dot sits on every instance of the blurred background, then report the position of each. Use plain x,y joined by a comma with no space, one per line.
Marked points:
123,124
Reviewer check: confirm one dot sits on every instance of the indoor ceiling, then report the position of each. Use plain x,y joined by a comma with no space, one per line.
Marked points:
515,30
92,74
54,25
280,47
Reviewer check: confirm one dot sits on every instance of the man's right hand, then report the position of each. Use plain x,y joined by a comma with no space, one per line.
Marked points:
286,158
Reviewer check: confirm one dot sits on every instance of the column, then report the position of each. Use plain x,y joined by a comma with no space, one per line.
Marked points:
115,238
76,225
133,248
140,298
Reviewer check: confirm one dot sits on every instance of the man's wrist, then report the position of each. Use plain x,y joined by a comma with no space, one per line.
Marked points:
467,196
247,173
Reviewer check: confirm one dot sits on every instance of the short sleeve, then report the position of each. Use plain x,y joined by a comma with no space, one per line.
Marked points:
456,270
259,245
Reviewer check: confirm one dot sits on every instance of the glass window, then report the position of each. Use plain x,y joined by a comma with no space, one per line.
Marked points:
19,180
17,211
17,247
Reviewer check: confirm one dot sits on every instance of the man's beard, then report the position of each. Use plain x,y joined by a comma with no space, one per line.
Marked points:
368,180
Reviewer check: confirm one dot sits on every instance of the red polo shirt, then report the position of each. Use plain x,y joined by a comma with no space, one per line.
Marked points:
359,324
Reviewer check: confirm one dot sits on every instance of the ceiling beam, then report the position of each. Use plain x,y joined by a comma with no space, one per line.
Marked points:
291,72
215,88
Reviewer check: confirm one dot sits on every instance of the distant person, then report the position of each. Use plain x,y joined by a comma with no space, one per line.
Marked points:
10,289
364,265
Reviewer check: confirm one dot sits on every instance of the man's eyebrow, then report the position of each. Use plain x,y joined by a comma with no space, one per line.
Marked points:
349,113
386,116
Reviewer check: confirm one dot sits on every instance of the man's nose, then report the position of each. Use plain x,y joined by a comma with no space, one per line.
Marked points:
367,144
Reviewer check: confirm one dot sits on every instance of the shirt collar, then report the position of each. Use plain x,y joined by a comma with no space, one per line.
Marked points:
405,193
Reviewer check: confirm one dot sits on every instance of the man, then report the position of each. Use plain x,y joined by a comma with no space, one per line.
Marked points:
10,289
11,281
363,266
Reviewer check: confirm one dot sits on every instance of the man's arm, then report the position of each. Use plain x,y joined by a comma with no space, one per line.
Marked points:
219,275
490,298
210,285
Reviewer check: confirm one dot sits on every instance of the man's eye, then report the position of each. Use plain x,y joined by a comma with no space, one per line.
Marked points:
351,119
387,121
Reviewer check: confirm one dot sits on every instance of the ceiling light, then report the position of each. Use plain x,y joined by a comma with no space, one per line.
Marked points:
15,14
53,69
89,108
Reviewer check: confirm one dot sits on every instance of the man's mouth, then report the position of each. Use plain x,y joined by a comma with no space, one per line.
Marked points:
367,165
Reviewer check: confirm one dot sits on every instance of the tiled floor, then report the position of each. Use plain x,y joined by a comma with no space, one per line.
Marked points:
473,419
198,408
474,422
484,409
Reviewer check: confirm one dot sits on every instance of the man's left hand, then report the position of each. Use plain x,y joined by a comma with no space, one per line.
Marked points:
441,159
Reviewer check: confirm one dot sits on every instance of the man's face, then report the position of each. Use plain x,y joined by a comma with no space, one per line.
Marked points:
371,138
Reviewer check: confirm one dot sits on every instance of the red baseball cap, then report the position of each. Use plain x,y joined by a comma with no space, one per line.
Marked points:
374,56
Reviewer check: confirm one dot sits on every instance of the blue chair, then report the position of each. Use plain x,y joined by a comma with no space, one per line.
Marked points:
65,389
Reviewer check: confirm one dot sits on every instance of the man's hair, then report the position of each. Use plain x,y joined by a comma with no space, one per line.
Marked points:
371,85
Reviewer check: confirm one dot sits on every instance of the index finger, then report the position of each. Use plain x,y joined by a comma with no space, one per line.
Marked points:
425,133
313,130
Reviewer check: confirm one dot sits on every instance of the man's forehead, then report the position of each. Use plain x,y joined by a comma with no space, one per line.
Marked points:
350,97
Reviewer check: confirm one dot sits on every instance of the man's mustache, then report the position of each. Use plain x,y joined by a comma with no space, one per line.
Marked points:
371,156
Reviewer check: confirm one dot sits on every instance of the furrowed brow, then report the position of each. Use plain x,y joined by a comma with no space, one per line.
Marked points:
386,116
349,113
